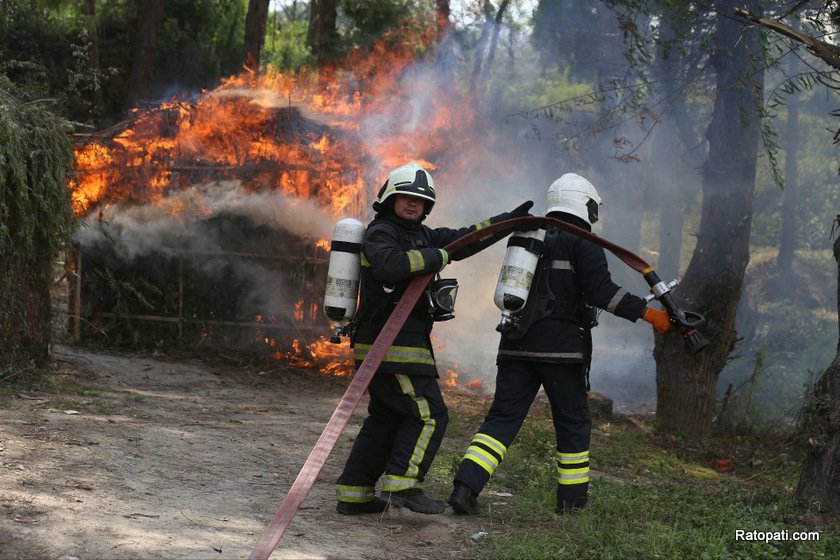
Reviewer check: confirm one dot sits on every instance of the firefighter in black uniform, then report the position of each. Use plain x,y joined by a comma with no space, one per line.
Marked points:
407,416
550,346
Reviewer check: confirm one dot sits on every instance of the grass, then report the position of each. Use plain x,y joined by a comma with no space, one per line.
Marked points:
69,392
650,497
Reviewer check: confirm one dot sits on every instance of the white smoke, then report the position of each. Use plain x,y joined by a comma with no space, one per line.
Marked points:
180,225
172,225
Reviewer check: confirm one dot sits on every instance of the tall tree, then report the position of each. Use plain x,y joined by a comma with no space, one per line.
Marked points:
685,388
255,21
322,35
489,34
442,12
672,179
149,17
89,11
787,242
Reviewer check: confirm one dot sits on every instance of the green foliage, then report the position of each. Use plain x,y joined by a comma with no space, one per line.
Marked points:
46,51
372,18
199,41
35,217
285,46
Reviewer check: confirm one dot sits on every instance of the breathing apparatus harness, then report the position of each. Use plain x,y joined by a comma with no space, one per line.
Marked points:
542,301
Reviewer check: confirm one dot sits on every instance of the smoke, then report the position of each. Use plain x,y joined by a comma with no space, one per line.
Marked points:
494,167
194,224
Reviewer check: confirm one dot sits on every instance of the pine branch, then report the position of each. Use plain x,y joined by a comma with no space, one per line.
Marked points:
830,54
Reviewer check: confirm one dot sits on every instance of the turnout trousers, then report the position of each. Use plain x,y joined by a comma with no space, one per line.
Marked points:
406,422
517,383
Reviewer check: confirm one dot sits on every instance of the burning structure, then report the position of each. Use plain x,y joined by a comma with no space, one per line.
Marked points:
204,235
208,219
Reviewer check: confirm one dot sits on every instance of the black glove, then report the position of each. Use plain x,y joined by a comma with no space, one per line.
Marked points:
520,211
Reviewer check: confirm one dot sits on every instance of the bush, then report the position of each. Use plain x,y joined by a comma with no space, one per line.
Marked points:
35,216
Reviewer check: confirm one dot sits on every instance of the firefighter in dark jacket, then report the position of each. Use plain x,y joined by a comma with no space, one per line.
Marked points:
407,416
550,346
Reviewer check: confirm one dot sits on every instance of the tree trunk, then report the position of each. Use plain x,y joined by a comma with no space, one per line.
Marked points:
149,17
787,243
494,40
820,479
442,12
322,33
255,22
685,393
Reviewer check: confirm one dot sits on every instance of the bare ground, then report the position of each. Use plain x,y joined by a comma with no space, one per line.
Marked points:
158,458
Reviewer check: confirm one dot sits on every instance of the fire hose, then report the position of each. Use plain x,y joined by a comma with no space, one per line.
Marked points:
687,322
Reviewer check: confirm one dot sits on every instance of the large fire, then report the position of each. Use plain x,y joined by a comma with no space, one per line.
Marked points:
328,136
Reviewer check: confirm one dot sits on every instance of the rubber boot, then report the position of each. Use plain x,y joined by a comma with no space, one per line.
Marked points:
568,502
377,505
415,500
463,500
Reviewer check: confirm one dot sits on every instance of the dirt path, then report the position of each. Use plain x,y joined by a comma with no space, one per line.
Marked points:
178,459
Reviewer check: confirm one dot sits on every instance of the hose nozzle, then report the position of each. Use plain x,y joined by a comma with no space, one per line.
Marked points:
686,321
694,340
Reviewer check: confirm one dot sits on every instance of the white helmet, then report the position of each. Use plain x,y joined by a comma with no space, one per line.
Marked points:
574,195
411,180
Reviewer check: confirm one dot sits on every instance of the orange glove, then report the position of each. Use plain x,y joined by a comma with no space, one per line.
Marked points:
659,319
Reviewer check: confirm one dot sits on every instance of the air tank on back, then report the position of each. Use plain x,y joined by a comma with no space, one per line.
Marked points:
342,289
517,274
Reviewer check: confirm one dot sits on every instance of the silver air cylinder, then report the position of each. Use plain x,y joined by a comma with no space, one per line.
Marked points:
517,274
343,274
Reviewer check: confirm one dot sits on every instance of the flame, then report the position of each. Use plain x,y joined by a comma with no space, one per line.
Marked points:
298,134
329,358
451,379
452,382
475,385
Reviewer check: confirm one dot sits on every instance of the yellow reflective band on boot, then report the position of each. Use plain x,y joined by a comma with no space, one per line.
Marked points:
572,468
415,260
483,458
398,354
354,494
573,458
566,477
394,483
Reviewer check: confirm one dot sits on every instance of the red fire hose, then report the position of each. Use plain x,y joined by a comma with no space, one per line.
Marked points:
353,395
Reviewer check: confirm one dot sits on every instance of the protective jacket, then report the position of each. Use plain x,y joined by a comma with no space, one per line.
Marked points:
555,324
393,252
